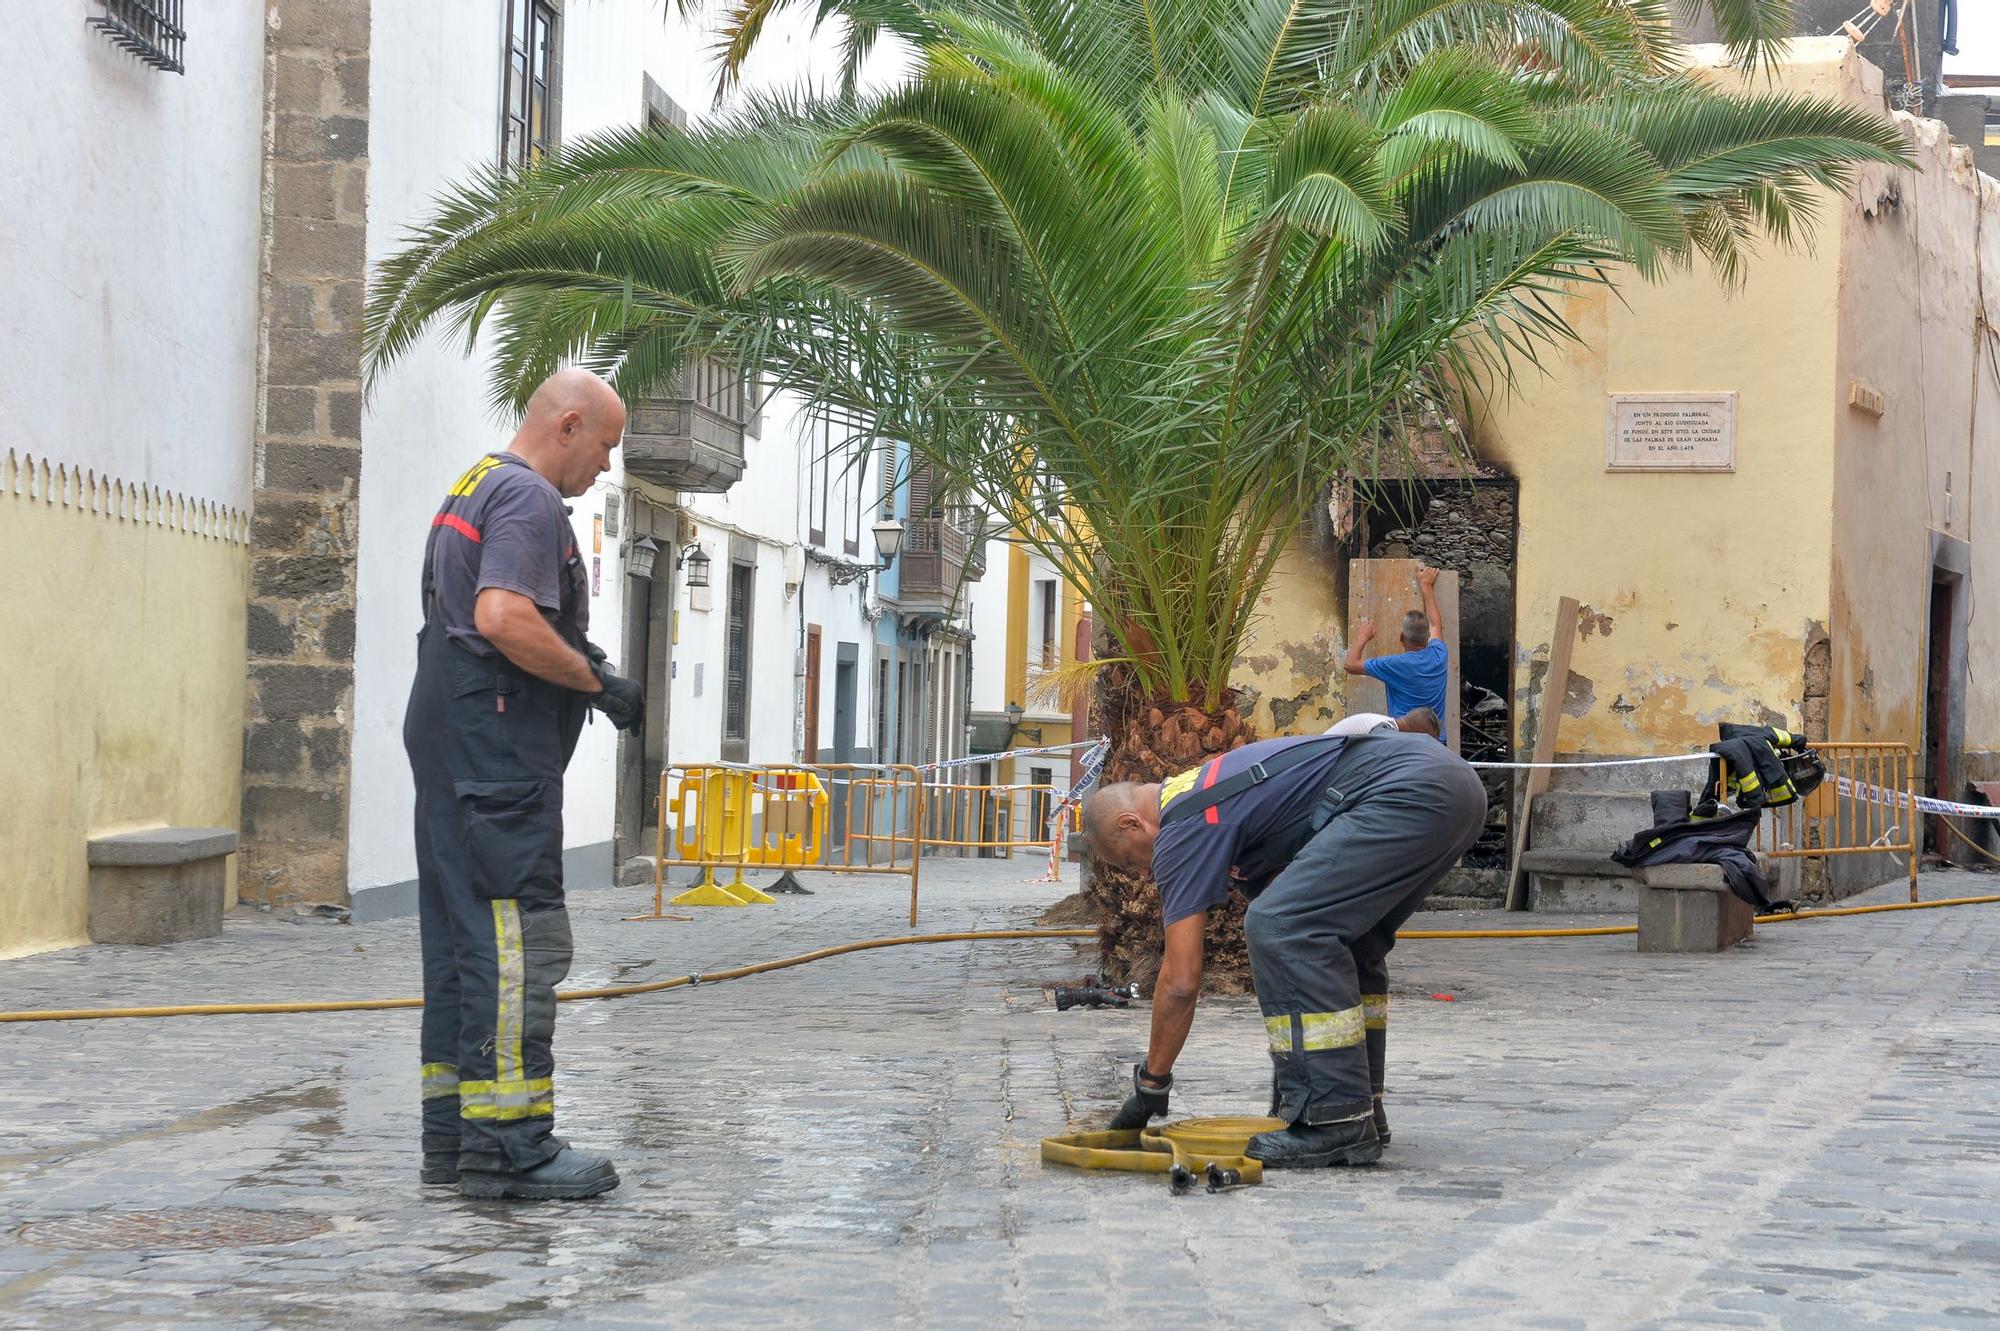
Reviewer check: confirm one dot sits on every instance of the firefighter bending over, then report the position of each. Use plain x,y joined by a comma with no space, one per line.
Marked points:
1335,840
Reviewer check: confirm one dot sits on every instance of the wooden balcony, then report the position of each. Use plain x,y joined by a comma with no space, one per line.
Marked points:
692,439
932,568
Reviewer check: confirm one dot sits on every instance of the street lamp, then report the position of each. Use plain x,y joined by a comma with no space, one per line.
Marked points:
639,557
1014,714
696,560
888,540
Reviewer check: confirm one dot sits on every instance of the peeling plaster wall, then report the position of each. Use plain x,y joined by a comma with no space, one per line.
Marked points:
1700,592
1909,326
1288,675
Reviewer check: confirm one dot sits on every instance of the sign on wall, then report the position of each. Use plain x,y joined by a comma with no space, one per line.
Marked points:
1671,432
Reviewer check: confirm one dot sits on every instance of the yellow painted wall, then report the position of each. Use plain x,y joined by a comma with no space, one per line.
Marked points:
121,656
1294,649
1017,644
1700,591
1909,327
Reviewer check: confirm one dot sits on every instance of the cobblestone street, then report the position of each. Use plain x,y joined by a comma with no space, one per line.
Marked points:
1801,1133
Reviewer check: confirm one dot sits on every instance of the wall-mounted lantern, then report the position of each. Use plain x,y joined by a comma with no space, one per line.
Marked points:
696,560
639,557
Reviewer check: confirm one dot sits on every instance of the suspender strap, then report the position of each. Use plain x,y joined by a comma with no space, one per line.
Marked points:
1212,794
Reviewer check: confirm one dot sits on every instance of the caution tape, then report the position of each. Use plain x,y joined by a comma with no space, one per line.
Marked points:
1093,767
1597,762
1901,799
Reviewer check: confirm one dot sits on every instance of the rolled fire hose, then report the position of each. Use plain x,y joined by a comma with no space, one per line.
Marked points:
1191,1148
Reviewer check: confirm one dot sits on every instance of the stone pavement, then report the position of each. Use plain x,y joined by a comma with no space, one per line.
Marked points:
1802,1133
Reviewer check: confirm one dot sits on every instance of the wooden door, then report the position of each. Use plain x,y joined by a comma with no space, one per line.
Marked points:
1383,590
810,749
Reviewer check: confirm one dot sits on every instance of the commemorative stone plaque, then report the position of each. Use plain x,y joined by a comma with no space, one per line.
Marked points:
1671,432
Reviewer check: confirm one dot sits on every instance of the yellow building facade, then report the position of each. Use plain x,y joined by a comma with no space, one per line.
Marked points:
1824,577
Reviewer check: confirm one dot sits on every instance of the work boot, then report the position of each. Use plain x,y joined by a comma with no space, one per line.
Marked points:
1381,1121
440,1166
565,1176
1347,1141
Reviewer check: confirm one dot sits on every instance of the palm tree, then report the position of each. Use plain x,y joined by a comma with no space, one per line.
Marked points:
1190,258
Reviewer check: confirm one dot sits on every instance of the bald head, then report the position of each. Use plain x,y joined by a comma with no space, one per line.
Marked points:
1121,822
573,422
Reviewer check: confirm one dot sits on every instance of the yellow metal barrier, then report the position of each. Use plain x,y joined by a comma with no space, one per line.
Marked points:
992,817
1829,822
781,816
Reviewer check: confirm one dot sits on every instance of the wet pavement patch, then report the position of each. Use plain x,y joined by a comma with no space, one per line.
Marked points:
189,1227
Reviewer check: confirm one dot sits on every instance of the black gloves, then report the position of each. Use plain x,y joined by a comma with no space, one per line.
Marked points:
1147,1102
622,700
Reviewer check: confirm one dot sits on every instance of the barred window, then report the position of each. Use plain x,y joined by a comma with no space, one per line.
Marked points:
149,30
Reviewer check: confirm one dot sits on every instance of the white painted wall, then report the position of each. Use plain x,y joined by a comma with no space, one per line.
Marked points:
129,217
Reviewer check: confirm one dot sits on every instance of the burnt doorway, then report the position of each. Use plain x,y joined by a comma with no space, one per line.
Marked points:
1469,525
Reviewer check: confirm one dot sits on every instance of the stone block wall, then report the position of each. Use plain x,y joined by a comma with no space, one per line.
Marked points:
305,535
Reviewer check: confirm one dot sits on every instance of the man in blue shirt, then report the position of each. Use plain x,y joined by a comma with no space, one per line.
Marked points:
1416,676
1335,840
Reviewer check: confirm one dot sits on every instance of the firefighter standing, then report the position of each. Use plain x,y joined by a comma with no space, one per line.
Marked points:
1335,840
504,678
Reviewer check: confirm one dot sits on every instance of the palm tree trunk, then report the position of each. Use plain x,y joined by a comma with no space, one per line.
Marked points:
1152,740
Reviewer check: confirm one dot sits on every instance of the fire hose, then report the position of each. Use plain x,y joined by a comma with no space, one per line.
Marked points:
696,978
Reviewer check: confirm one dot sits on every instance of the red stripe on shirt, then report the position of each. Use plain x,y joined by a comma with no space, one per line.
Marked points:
1207,780
457,524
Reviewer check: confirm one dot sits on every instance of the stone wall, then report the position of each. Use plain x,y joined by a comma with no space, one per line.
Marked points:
298,727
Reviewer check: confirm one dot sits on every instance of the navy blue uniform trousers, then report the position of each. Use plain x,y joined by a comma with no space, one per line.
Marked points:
1402,809
488,744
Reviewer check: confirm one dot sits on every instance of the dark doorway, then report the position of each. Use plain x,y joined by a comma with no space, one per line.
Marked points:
1935,763
630,832
844,670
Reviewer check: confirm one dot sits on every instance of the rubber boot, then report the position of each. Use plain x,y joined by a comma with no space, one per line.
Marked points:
1344,1141
440,1167
1378,1058
565,1176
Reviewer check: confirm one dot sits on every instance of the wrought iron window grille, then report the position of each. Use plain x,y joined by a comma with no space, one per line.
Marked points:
148,30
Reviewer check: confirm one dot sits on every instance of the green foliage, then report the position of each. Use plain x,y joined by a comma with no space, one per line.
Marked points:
1190,258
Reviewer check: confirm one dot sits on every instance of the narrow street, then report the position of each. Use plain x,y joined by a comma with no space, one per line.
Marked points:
1797,1133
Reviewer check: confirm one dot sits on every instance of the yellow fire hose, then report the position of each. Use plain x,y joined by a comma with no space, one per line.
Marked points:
869,945
1194,1147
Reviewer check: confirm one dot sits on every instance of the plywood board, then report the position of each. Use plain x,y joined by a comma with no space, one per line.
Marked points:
1555,685
1384,590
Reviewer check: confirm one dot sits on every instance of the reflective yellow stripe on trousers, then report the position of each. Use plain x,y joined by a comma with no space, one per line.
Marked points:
1315,1031
512,990
439,1080
519,1097
1375,1010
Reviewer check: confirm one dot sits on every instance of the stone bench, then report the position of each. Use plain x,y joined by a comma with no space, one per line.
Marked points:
160,885
1689,908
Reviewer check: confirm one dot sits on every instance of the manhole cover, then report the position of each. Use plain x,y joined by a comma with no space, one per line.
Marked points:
187,1227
